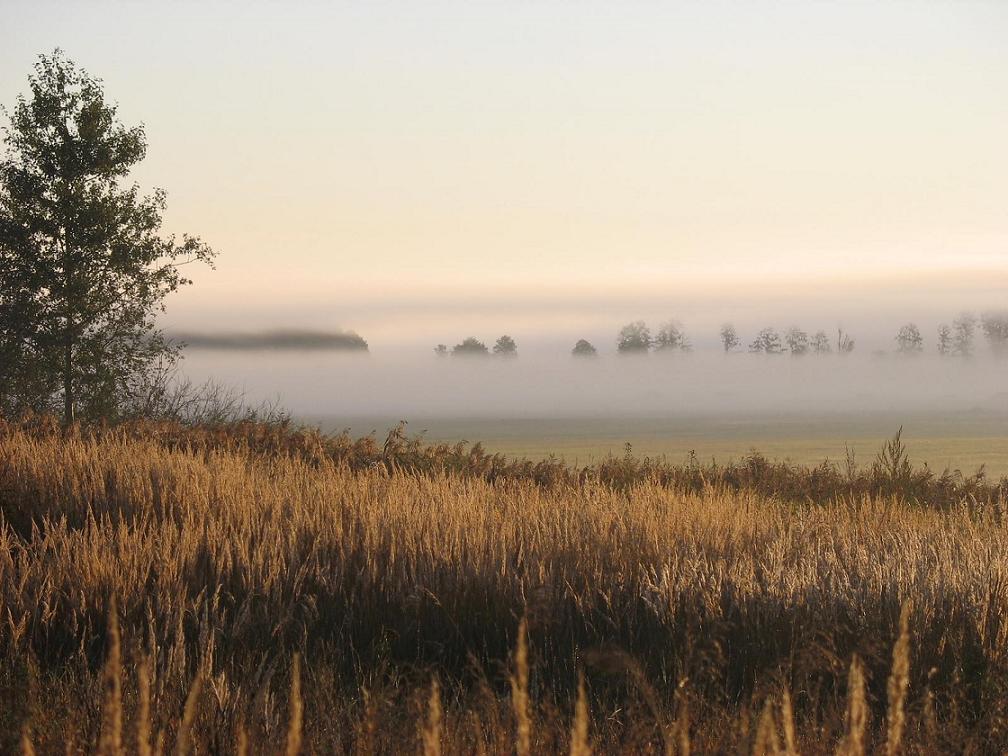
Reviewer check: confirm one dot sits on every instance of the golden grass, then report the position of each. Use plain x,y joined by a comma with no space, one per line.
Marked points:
899,681
161,597
520,693
431,732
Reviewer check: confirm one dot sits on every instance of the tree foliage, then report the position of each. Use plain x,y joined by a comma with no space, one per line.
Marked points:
845,344
470,347
584,348
767,341
797,341
729,338
945,341
909,340
671,337
634,338
995,329
820,343
84,268
505,346
963,332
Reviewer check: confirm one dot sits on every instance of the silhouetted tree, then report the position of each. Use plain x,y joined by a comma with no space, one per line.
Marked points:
583,348
84,268
797,341
945,343
845,344
729,338
963,330
909,340
767,341
995,328
820,343
441,350
670,337
470,347
505,347
634,338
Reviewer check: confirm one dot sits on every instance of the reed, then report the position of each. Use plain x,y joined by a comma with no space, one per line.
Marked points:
899,682
520,693
579,743
430,735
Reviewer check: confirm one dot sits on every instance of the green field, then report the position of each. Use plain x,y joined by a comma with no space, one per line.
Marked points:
962,441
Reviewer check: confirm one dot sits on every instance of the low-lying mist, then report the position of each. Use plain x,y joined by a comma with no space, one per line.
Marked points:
418,385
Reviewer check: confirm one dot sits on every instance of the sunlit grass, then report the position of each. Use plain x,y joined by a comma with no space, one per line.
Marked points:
715,619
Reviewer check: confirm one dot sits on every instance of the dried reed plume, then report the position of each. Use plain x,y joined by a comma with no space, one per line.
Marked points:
766,743
430,734
143,716
853,743
27,748
110,742
579,744
520,693
183,741
295,721
787,719
899,682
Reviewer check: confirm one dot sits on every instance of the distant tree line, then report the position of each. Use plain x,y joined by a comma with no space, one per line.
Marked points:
505,346
795,341
957,339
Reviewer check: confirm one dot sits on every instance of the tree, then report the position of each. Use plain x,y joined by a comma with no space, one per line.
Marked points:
670,336
944,340
844,343
820,343
441,350
729,338
583,348
470,347
963,330
505,347
909,340
767,341
84,268
634,338
995,328
797,341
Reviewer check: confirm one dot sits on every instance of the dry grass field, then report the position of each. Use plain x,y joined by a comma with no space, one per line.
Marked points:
263,590
958,440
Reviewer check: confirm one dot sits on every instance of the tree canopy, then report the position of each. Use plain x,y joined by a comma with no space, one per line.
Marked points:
671,337
470,347
505,346
767,341
84,268
634,338
909,339
729,337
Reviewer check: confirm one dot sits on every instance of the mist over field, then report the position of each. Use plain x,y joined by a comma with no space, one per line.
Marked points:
420,384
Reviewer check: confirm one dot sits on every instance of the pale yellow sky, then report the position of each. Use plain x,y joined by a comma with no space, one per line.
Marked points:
358,164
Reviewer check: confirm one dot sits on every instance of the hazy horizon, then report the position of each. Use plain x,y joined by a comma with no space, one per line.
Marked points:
553,170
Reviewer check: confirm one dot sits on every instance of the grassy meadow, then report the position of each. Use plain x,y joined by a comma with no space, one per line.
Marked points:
256,588
955,440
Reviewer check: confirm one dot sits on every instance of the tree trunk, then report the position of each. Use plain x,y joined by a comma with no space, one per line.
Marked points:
68,392
68,335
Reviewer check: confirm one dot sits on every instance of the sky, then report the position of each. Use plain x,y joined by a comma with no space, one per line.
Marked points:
423,171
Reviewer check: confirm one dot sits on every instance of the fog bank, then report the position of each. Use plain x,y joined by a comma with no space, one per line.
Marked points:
418,385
